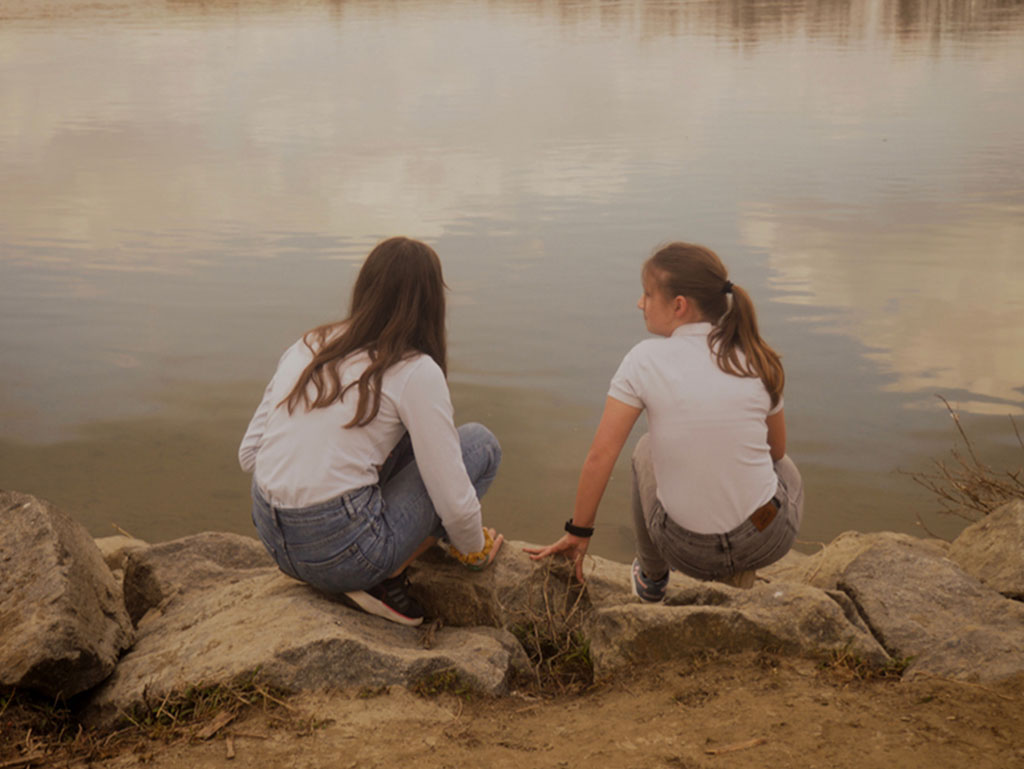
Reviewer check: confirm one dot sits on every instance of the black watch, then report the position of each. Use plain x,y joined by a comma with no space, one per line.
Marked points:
579,531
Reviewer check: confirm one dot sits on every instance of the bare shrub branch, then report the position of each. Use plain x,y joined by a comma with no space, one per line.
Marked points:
966,487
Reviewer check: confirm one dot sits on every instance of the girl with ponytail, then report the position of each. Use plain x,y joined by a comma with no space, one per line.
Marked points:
714,494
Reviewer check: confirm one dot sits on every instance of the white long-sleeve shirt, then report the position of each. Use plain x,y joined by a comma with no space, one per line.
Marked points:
308,457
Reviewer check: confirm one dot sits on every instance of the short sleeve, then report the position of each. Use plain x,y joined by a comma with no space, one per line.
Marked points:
776,408
624,386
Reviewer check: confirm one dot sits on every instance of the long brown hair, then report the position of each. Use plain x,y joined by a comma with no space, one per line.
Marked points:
696,272
398,309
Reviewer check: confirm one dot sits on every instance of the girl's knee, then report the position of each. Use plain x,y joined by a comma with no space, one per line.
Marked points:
476,437
787,470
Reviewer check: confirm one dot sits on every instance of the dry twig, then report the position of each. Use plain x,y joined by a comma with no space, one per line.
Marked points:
223,718
738,746
121,531
23,761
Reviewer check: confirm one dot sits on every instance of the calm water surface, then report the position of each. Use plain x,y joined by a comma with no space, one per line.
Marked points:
186,186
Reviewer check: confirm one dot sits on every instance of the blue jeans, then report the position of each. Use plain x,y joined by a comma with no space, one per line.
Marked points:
354,541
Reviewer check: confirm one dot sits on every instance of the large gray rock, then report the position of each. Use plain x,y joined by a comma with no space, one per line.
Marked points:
924,607
825,568
155,574
297,640
512,590
62,619
788,618
992,550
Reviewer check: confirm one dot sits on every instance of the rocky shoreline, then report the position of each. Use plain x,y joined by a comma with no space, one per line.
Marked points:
120,624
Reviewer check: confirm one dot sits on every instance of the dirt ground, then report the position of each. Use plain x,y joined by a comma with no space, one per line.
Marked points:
742,712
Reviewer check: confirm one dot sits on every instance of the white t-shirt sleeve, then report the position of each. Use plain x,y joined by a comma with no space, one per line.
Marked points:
425,408
777,408
625,384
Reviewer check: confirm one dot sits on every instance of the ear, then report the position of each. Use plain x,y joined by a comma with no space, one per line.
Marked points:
679,306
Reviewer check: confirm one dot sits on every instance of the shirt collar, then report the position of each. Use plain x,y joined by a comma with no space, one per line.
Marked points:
693,329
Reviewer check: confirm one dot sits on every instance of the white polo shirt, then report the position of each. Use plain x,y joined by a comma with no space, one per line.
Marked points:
308,457
709,436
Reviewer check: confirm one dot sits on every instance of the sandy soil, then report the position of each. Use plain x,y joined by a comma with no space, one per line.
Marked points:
745,711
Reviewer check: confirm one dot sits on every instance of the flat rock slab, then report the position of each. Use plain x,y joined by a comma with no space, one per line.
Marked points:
297,640
824,569
992,550
62,619
924,607
788,618
154,575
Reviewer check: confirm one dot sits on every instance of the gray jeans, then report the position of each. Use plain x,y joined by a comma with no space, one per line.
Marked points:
662,543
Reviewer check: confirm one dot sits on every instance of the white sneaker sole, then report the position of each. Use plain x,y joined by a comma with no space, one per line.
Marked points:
378,608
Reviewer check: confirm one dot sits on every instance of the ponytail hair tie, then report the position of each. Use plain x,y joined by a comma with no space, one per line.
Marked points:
727,288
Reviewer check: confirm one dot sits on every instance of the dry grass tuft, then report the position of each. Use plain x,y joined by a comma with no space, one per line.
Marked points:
185,713
553,639
966,487
850,667
34,730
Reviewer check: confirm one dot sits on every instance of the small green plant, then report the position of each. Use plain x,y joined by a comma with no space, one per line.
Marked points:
446,681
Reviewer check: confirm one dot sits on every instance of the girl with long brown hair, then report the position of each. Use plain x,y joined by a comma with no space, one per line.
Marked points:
357,465
714,494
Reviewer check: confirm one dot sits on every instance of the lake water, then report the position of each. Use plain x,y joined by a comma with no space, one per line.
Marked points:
186,186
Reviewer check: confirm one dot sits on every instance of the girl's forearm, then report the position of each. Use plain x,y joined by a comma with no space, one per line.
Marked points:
616,422
594,476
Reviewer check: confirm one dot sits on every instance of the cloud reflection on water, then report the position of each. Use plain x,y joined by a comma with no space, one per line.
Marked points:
941,310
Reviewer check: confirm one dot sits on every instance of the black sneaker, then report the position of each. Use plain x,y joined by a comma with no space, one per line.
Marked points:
389,599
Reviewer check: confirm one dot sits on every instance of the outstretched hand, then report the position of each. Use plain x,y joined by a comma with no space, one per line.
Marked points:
498,539
570,546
